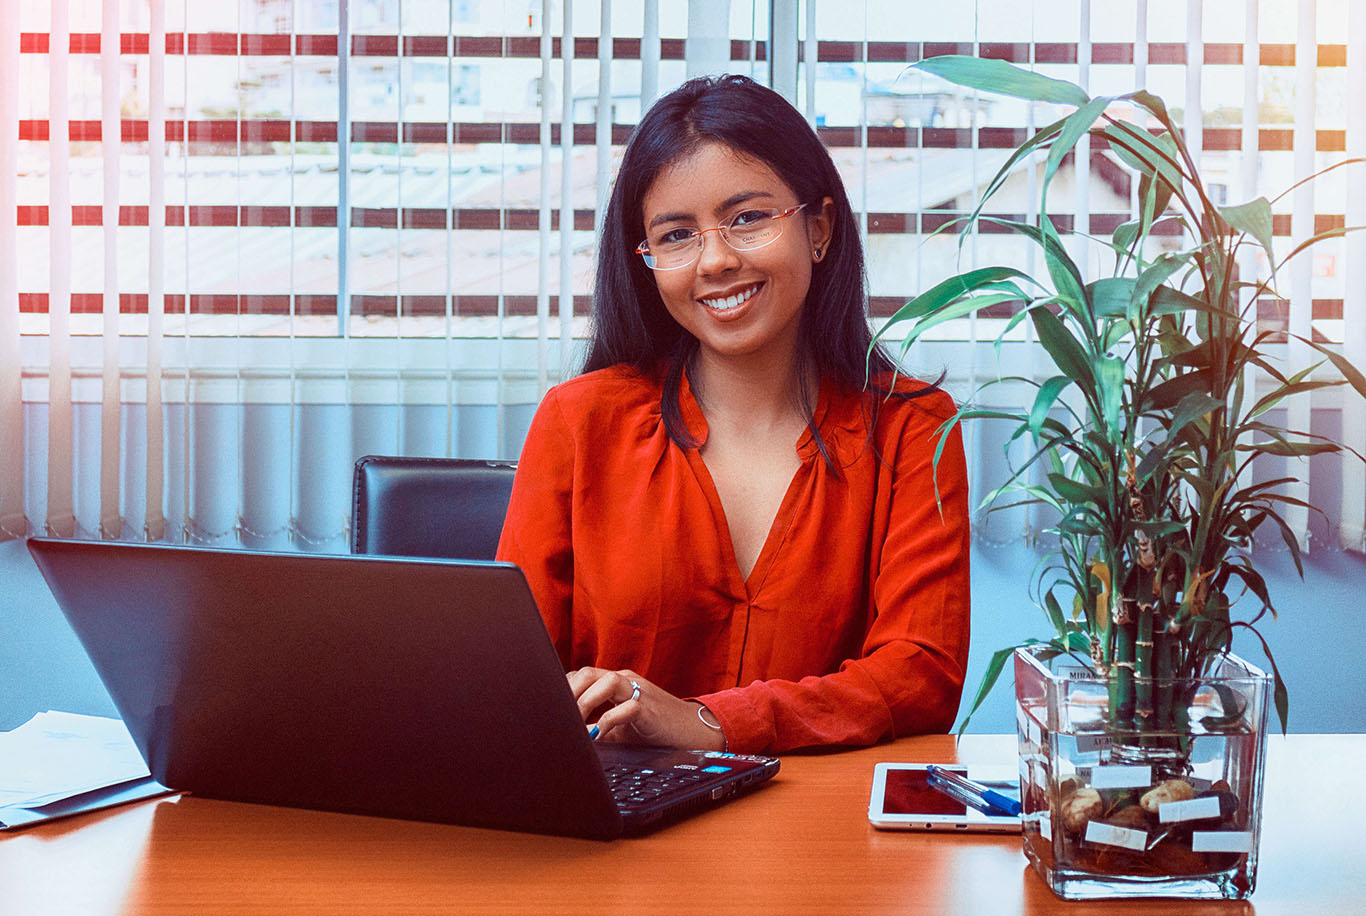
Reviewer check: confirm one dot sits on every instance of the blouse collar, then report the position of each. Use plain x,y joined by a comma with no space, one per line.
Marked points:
840,420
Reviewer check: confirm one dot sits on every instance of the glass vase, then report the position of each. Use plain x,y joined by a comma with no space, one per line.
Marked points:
1167,805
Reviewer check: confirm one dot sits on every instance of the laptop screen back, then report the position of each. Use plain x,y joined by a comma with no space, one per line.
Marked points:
407,688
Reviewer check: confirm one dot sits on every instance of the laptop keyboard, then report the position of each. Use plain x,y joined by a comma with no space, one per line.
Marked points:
632,786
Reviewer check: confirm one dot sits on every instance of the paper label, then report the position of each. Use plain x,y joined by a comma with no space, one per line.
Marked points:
1195,809
1087,744
1121,777
1046,826
1110,835
1221,841
1035,733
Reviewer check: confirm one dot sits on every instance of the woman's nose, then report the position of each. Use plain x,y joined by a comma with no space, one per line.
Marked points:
717,256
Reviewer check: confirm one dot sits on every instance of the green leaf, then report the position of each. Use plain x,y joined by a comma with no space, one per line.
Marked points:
1110,296
1002,78
989,678
1280,695
1288,390
1126,234
965,306
1288,449
1073,129
1150,279
1050,606
1341,363
1171,392
1167,300
1154,195
1067,354
1110,383
1062,270
1253,217
1192,407
950,290
1159,528
1145,151
1043,402
1074,491
1254,582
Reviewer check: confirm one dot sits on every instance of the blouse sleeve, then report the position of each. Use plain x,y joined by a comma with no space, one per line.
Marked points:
909,677
537,530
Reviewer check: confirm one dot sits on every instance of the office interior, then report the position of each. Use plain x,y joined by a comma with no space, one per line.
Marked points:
333,228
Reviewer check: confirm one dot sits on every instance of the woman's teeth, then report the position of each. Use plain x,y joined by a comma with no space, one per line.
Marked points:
730,302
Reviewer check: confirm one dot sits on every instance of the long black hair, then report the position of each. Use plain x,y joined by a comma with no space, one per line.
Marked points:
630,323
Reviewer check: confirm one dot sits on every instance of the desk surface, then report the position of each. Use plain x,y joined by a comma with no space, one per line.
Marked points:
800,845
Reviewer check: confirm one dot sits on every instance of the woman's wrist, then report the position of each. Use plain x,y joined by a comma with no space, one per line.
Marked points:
708,718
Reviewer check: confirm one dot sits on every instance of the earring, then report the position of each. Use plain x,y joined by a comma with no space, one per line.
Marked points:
818,254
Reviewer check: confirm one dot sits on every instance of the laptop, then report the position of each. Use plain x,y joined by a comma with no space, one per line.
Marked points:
419,689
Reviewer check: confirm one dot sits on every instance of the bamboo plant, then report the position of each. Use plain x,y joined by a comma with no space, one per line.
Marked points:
1141,439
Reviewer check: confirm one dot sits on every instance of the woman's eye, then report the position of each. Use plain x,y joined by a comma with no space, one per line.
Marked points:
676,237
749,217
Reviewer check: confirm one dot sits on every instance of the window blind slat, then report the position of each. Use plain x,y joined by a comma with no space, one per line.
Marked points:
603,134
1302,268
111,428
13,522
566,299
649,55
154,519
1247,185
543,262
61,518
1352,532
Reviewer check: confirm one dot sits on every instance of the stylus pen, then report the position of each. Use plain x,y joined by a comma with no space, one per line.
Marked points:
1004,805
593,733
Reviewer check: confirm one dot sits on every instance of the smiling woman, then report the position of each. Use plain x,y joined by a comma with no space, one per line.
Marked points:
730,520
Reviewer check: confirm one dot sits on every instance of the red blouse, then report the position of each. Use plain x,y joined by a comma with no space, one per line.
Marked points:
853,624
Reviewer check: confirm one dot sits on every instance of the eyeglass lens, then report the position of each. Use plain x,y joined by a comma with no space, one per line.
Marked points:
745,231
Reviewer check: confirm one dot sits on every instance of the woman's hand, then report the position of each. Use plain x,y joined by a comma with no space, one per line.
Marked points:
650,716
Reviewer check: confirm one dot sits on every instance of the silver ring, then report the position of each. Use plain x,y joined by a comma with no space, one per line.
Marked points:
635,691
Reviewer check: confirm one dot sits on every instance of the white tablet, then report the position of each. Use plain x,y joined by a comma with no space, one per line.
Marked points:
903,799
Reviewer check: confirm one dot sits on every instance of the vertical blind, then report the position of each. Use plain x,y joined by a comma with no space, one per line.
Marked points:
242,244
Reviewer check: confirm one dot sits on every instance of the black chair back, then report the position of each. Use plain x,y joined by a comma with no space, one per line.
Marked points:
429,507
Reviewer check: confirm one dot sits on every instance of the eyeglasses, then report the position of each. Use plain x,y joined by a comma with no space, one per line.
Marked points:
745,231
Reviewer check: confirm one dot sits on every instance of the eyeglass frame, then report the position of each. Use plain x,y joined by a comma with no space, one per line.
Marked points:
643,249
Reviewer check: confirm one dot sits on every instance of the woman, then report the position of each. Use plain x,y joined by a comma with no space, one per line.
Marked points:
708,584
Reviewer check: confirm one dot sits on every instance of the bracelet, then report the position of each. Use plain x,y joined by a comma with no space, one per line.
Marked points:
725,742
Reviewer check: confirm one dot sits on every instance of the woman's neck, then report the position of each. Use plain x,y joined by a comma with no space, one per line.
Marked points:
752,391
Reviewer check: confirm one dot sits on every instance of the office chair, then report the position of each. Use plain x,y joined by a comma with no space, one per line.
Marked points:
429,507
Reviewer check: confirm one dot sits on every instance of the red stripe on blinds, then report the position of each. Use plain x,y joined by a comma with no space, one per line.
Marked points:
1014,52
426,46
315,45
1053,52
1271,312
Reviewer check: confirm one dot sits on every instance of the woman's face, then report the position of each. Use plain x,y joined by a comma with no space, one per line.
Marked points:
736,303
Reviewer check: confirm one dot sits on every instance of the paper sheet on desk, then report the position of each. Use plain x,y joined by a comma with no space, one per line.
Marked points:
56,755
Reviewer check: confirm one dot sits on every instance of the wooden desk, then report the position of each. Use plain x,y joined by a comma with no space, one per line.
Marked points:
800,845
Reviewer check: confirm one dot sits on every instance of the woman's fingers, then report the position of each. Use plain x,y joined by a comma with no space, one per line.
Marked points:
630,708
620,692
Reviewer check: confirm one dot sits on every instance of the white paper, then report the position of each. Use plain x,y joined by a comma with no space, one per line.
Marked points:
1221,841
1121,777
1046,826
1087,744
1110,835
56,755
1195,809
995,774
